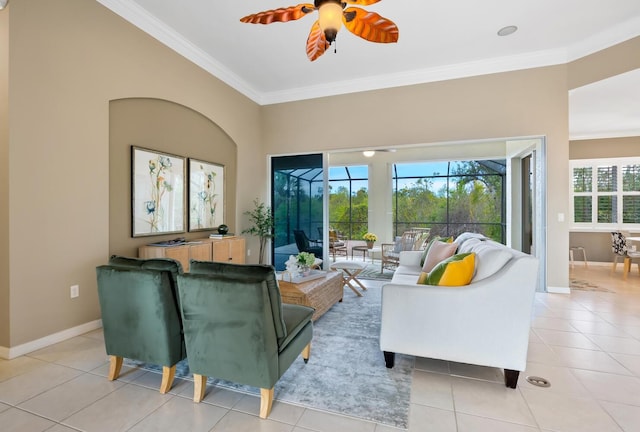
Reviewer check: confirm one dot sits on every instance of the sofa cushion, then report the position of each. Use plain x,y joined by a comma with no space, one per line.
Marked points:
490,258
454,271
464,237
438,252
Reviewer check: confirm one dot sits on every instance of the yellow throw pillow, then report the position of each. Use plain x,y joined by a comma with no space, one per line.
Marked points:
454,271
422,279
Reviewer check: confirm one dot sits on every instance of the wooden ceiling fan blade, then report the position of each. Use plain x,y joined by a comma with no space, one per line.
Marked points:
361,2
370,25
316,42
285,14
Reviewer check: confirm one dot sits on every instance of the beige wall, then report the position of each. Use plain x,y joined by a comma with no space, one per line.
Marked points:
69,59
167,127
4,178
613,61
605,148
523,103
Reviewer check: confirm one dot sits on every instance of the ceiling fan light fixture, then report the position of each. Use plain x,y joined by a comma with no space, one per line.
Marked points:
368,153
330,18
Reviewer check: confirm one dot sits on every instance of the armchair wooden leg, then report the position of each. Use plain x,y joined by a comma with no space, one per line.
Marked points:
306,353
266,400
115,364
168,373
199,386
627,267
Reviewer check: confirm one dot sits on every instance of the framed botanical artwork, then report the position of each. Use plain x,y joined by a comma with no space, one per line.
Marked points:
157,192
206,195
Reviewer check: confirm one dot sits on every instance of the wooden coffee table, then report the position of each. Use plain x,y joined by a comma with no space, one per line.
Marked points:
321,293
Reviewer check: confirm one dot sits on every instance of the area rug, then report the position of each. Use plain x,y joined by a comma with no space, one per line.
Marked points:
372,272
583,285
346,373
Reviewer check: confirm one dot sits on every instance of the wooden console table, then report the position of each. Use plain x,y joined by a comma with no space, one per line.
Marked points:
321,293
226,249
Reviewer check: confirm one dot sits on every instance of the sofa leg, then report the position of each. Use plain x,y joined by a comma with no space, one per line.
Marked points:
389,358
511,378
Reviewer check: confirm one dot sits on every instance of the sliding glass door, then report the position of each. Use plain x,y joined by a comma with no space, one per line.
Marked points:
297,200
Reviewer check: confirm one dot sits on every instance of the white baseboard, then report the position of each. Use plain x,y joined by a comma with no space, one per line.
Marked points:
17,351
558,290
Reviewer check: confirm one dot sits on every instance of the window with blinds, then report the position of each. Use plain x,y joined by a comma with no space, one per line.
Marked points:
605,192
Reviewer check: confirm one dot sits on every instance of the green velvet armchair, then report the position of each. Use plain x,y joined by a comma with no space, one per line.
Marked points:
140,313
237,328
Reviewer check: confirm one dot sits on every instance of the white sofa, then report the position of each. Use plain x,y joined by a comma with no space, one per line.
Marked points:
485,323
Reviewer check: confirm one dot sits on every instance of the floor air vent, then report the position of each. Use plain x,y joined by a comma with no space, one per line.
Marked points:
537,381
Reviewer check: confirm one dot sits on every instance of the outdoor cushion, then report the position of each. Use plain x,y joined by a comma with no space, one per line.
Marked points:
397,245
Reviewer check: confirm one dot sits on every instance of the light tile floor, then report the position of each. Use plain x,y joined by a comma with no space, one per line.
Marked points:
586,343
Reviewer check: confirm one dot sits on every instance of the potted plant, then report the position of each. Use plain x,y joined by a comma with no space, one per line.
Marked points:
262,225
305,261
370,238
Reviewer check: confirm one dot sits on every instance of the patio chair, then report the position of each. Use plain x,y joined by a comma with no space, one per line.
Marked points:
336,246
304,244
414,239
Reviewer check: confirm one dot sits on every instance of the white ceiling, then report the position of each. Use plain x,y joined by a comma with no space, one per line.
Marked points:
438,40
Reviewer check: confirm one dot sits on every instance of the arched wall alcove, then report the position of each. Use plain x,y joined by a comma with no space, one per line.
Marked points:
168,127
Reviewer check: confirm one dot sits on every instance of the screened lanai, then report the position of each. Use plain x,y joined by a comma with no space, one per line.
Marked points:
449,197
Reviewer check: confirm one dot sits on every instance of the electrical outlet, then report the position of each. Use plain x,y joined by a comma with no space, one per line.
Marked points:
74,291
248,252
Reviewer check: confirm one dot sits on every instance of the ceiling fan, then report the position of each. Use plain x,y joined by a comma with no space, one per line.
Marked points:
331,15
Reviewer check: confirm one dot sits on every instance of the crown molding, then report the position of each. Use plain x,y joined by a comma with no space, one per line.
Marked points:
422,76
146,22
629,133
605,39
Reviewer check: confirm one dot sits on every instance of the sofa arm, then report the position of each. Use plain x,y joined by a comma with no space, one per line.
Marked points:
410,258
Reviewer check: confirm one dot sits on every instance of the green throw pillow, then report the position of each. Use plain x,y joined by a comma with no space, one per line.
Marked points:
453,271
